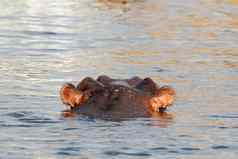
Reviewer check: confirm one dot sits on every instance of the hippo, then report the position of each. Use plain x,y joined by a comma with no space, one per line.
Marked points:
109,98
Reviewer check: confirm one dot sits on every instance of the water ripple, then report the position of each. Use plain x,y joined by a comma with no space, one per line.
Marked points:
117,153
31,118
190,149
46,43
69,151
159,149
218,147
228,116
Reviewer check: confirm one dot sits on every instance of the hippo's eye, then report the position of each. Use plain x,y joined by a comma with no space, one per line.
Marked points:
115,95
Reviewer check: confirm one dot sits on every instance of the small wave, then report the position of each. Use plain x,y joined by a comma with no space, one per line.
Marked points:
190,149
219,147
159,69
231,116
19,114
173,151
39,32
38,120
228,127
31,118
69,151
70,129
17,125
159,149
117,153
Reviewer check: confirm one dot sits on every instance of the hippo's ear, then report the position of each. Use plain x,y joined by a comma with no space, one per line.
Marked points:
163,98
147,85
71,96
65,92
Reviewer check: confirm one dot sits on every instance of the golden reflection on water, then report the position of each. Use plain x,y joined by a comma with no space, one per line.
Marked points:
206,35
196,21
135,53
235,2
217,51
164,35
191,47
135,57
216,23
201,21
154,7
229,64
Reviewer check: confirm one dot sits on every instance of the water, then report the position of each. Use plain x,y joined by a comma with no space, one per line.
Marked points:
190,45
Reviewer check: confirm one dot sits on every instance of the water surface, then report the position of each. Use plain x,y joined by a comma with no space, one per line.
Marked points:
190,45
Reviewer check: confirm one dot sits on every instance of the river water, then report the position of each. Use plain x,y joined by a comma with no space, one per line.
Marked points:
190,45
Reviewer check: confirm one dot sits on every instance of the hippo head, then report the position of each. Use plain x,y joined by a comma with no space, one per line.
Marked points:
134,97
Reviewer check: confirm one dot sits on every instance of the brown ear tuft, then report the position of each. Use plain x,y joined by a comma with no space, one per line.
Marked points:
71,96
163,98
166,90
65,92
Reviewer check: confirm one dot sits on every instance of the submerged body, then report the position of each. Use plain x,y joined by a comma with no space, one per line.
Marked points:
114,98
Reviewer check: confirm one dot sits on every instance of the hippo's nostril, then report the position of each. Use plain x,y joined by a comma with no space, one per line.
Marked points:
115,98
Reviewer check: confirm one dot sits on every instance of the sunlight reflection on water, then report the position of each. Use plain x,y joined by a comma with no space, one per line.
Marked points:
191,46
